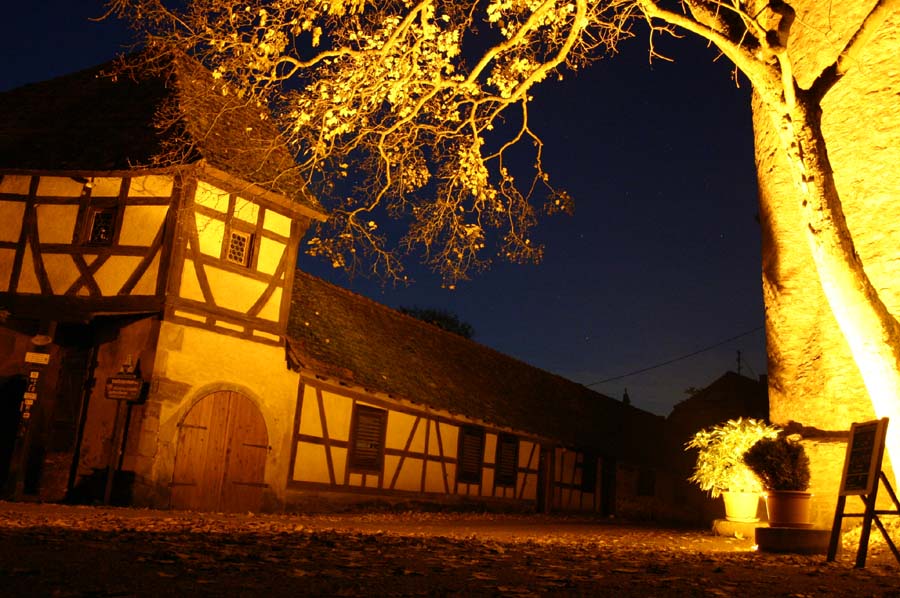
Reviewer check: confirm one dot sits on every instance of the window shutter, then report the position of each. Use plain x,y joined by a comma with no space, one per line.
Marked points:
507,460
367,447
471,455
589,472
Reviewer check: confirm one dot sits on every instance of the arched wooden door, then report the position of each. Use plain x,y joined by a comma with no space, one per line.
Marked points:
220,462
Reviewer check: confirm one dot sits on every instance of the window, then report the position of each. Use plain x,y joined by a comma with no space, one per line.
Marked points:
588,472
646,482
471,455
367,439
101,226
238,249
507,460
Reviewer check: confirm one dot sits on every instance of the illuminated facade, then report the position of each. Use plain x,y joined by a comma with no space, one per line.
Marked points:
389,404
154,324
813,378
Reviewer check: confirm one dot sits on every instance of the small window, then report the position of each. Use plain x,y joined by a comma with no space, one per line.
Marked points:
471,455
238,251
102,223
507,460
646,482
367,442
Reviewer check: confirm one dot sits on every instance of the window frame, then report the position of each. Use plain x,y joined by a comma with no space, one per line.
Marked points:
249,239
468,435
364,464
90,217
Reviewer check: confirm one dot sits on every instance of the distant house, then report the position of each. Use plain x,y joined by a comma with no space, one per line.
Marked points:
154,325
729,396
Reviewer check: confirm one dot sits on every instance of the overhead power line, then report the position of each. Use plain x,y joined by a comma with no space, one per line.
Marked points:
697,352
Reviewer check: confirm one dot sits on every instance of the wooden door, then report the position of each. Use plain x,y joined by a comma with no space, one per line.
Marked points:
11,394
220,461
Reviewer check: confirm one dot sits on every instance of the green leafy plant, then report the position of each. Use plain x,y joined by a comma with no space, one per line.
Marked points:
720,458
780,463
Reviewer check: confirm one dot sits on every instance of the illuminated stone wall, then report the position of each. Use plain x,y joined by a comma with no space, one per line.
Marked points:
812,377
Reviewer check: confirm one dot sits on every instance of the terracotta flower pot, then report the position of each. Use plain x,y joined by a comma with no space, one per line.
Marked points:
741,506
788,508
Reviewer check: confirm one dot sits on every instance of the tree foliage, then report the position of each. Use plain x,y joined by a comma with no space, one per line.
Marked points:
409,109
400,109
441,318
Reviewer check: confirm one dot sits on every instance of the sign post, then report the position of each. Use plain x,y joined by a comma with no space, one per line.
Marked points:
127,388
862,474
35,362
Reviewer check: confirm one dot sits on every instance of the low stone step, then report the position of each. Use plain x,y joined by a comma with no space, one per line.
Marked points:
796,540
736,529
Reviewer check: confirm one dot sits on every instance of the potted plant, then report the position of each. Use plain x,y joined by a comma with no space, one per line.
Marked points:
782,466
720,467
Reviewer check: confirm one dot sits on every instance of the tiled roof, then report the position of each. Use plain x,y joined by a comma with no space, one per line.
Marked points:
94,120
349,338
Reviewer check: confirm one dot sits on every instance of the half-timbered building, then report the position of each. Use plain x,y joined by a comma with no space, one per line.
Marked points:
390,405
158,347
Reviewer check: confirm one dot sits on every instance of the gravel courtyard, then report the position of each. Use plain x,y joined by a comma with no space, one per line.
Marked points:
53,550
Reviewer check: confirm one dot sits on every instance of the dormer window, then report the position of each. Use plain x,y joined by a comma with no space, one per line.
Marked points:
238,249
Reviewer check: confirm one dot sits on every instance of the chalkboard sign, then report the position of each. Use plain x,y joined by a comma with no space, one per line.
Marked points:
865,450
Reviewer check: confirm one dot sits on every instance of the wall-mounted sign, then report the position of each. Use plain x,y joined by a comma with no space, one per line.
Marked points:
38,358
124,387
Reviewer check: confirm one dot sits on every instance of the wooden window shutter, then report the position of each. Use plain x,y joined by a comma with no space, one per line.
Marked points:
471,455
589,472
367,442
507,460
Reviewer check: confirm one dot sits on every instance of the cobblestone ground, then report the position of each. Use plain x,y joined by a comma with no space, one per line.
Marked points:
51,550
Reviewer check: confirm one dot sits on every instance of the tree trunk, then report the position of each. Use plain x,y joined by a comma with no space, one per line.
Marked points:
872,333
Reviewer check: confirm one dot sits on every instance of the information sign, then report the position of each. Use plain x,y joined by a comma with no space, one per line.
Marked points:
38,358
124,387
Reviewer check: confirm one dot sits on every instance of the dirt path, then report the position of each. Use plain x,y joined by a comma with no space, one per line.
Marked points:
49,550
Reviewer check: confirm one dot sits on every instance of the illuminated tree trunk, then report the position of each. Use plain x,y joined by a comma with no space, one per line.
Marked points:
871,331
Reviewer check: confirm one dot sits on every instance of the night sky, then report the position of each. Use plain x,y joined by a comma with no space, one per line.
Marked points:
661,259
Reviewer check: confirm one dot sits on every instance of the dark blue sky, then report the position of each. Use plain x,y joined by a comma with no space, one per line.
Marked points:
662,256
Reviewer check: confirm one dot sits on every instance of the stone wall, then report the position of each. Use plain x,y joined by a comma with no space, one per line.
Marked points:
812,377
